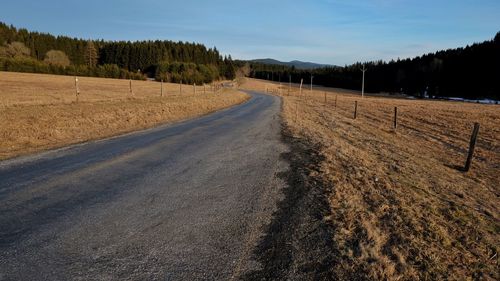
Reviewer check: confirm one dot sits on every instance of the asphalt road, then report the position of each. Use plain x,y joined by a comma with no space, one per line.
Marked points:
178,202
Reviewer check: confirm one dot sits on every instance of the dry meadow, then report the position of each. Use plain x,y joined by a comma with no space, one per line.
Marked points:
40,112
401,208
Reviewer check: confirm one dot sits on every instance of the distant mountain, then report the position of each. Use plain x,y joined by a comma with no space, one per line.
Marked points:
296,63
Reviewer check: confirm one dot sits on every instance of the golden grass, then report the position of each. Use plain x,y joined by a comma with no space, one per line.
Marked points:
401,209
39,112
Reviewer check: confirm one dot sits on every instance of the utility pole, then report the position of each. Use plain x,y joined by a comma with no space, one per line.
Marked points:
363,83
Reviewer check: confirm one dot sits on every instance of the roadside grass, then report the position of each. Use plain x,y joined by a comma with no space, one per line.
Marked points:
400,207
39,112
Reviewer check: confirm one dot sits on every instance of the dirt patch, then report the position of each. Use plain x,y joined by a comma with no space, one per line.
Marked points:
298,243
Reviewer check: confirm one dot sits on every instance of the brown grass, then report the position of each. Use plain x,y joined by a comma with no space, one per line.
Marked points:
401,209
39,112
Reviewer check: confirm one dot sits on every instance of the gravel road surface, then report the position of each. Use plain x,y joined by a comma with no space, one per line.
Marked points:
186,201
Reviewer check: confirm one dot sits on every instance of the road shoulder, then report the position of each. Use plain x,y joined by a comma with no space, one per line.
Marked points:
298,244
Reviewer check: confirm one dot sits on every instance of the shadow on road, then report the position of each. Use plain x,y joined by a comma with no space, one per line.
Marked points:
298,242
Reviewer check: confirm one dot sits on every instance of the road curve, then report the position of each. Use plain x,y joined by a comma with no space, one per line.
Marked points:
176,202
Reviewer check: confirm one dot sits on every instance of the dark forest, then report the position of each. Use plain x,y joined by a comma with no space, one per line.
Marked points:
26,51
469,72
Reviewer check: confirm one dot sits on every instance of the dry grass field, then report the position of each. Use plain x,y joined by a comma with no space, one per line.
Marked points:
39,112
401,209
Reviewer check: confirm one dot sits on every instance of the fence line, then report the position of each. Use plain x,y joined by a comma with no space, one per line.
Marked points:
395,122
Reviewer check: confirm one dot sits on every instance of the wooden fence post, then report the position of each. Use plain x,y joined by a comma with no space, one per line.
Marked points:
161,91
180,87
194,89
130,86
301,82
395,117
77,91
204,88
472,145
296,109
355,109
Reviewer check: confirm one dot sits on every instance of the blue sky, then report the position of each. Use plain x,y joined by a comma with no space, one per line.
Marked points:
326,31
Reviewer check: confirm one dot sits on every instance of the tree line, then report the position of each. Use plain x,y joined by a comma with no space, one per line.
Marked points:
23,50
469,72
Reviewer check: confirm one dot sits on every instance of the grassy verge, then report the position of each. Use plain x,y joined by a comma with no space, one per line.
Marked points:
39,112
400,208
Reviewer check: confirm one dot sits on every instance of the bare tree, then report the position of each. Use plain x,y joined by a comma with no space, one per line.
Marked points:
243,71
14,50
57,57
